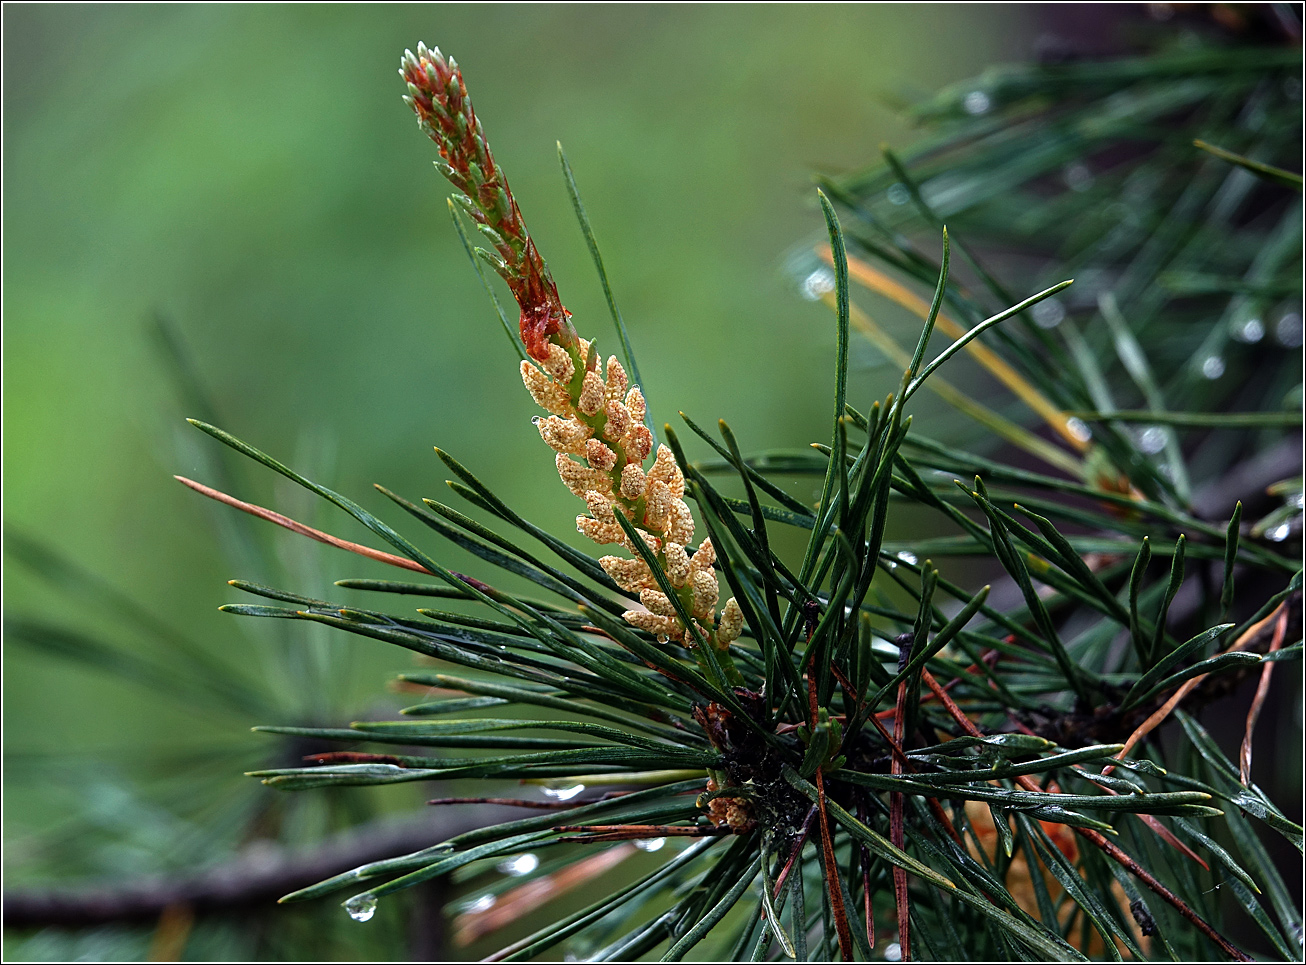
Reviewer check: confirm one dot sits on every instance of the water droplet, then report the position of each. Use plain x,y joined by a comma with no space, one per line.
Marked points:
650,844
1049,313
1250,331
893,952
898,193
1077,176
891,565
563,793
1288,330
818,283
1151,439
522,864
976,102
1079,429
361,907
907,557
483,903
536,420
1279,533
1213,367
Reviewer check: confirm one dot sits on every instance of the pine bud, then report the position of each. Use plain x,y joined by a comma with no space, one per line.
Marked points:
731,625
638,443
648,539
564,435
630,575
680,522
665,469
706,593
582,479
659,626
616,378
657,506
618,420
591,394
635,404
602,507
559,364
678,566
705,556
548,394
657,602
599,455
632,481
600,531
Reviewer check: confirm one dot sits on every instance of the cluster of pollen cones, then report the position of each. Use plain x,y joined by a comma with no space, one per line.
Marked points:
596,418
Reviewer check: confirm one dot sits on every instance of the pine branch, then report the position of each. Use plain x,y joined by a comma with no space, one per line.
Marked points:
248,882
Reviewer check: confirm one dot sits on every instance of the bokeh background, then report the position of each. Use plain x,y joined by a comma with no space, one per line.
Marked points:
251,173
250,176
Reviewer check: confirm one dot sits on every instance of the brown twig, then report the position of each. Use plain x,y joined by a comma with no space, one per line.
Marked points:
1151,820
1159,717
302,530
592,833
511,802
797,849
1101,842
528,896
1262,689
896,831
351,757
866,896
932,803
831,869
246,883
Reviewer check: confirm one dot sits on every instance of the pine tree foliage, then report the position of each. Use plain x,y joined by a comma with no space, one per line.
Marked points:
858,755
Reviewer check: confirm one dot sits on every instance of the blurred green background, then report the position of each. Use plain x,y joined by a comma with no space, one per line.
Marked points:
251,173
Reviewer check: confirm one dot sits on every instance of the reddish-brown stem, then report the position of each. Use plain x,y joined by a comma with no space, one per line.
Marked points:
866,893
843,682
932,803
1151,820
301,529
896,836
530,895
797,849
511,802
1159,718
589,833
831,869
351,757
1119,856
1133,867
1262,689
828,866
